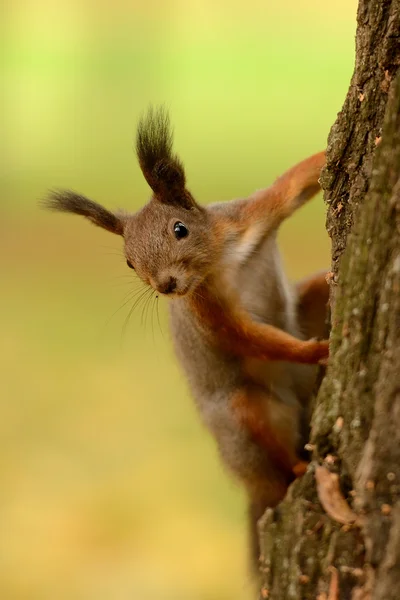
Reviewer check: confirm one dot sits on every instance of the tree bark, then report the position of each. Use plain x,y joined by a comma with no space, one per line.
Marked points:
336,536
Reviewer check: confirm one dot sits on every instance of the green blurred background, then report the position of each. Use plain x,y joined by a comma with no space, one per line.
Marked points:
110,487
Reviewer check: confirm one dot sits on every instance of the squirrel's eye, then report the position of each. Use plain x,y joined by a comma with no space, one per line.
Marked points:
180,230
130,265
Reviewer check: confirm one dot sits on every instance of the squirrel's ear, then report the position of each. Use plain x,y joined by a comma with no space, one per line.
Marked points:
162,169
67,201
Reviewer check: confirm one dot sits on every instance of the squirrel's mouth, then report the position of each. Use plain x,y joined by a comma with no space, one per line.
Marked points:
176,293
173,288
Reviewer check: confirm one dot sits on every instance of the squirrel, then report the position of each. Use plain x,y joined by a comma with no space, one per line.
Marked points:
248,341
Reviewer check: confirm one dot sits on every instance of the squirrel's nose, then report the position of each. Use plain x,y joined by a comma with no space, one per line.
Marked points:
168,286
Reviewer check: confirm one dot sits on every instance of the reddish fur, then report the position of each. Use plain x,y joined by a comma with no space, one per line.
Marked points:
251,412
227,323
230,327
313,299
288,193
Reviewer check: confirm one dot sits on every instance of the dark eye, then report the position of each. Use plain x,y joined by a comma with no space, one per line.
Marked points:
130,265
180,230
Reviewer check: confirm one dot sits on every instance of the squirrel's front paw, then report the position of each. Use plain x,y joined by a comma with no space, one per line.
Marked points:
318,351
324,348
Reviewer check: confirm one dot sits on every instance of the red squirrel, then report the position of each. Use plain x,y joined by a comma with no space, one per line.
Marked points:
245,337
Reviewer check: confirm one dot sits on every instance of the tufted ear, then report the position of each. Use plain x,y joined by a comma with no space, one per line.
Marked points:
162,169
67,201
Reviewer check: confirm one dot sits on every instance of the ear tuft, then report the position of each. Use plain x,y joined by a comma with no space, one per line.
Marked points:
68,201
162,169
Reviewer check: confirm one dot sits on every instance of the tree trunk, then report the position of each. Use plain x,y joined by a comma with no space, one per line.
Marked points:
336,536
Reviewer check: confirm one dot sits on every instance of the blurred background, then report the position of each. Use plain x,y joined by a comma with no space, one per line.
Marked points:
110,487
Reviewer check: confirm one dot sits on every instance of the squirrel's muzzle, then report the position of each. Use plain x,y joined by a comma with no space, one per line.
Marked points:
168,286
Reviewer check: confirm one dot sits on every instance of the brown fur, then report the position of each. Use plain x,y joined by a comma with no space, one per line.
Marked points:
241,331
232,328
258,412
312,304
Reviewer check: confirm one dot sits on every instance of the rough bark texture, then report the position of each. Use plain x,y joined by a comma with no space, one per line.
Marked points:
358,127
313,545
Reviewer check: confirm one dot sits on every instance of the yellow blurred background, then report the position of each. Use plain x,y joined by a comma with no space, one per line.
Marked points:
110,487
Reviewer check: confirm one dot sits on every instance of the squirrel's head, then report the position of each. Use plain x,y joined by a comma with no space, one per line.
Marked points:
169,241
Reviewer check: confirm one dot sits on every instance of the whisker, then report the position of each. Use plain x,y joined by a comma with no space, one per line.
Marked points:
151,316
146,309
196,293
144,312
121,280
127,298
158,317
152,322
154,304
133,283
134,305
